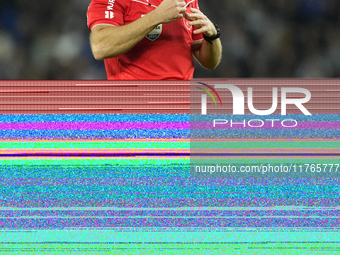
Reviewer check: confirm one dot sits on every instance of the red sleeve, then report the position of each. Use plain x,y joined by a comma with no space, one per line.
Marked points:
196,37
110,12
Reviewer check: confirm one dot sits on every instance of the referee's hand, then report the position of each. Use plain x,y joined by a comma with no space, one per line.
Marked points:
201,22
170,10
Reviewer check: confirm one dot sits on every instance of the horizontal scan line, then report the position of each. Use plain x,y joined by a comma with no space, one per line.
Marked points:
93,155
108,85
94,103
170,217
24,91
203,208
62,96
113,109
168,154
266,154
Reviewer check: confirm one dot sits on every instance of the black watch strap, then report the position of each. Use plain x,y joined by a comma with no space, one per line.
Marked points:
212,38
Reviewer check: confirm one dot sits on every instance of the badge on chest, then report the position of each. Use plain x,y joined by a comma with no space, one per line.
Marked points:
155,33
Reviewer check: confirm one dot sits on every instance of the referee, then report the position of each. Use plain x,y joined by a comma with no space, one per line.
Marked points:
152,39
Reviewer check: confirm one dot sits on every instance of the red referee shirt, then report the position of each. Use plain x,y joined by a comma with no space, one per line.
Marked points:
165,54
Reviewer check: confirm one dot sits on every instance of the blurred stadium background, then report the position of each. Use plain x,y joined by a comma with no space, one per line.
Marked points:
42,39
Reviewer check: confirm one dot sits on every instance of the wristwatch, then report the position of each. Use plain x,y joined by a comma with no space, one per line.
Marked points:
212,38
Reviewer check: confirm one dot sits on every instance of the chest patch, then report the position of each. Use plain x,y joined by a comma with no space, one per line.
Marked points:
155,33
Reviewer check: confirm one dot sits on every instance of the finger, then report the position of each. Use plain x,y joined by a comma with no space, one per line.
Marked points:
194,10
201,30
182,10
197,16
187,16
180,16
182,4
198,22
